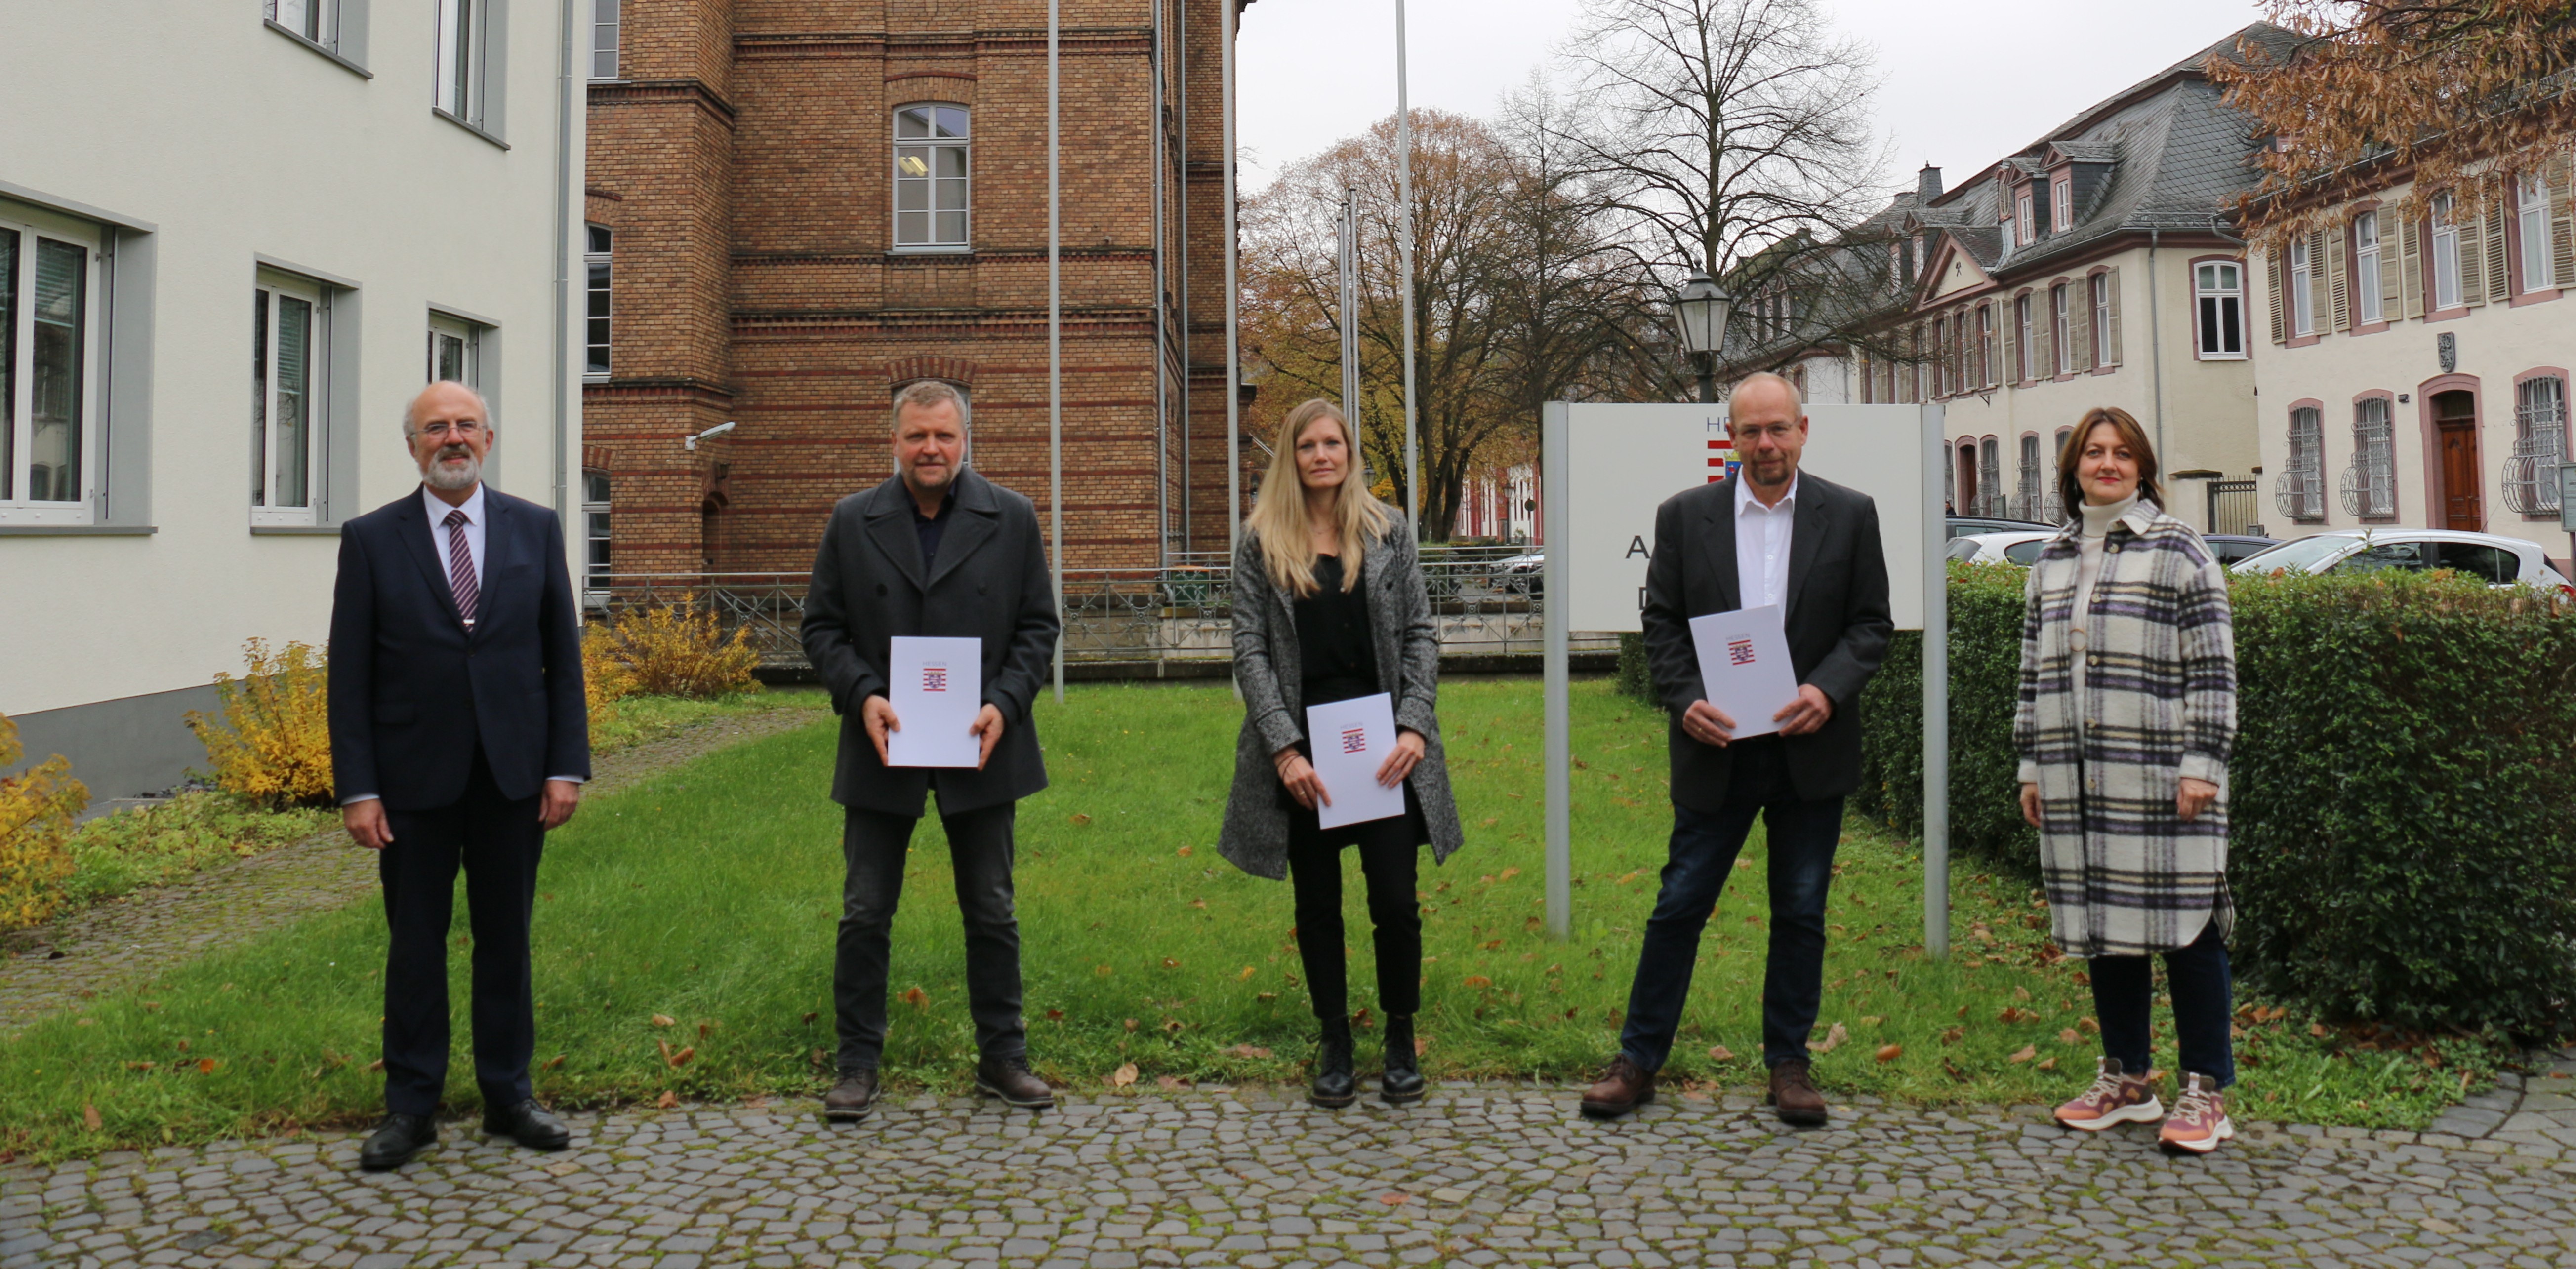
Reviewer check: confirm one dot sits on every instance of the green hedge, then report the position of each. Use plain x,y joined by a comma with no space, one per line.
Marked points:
2403,791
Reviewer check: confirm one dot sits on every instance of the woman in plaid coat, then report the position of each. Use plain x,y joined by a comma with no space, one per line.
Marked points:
2128,709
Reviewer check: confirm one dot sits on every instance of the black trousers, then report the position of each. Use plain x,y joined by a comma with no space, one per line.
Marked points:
497,841
1389,853
979,849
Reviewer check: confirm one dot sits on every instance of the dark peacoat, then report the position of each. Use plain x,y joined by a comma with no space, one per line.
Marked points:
1271,673
990,582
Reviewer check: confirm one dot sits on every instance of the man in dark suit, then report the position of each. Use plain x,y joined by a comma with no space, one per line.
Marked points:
458,737
936,551
1767,535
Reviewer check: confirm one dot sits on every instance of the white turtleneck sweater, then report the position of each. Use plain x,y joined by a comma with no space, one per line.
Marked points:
2098,519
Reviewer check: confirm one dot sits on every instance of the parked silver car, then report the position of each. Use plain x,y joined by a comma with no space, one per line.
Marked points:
2501,560
2018,547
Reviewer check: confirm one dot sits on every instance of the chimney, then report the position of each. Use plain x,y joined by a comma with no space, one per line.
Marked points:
1927,184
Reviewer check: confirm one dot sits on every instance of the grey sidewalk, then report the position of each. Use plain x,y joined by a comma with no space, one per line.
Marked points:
1476,1176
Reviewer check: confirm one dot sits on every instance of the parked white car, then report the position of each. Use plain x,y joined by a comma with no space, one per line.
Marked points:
2021,546
2501,560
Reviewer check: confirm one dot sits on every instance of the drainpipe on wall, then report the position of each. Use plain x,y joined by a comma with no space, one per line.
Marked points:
564,88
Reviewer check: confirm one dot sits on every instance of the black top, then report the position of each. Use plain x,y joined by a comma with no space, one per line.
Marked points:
931,527
1333,639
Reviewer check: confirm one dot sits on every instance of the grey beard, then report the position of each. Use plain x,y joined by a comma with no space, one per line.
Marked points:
441,476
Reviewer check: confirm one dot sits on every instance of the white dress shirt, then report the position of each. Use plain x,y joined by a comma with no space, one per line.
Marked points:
1762,543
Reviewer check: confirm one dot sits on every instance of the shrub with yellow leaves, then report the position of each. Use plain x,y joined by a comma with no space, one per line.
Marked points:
674,650
37,807
604,679
272,742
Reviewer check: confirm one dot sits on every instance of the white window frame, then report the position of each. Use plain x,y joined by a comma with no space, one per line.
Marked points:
459,43
315,20
2303,309
2005,215
2301,491
2539,445
2446,252
2061,204
2365,269
606,31
2531,227
273,287
17,449
926,152
598,535
469,336
2098,290
599,331
2218,310
2370,484
2021,337
2023,216
2061,334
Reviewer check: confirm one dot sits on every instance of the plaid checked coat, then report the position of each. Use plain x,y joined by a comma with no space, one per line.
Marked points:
2126,875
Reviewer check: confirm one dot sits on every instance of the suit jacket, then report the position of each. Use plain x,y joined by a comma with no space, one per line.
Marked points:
412,694
989,582
1837,623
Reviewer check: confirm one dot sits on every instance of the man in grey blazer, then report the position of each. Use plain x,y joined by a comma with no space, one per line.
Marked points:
935,551
1767,535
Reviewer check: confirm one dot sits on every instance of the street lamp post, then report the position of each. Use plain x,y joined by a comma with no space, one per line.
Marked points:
1701,310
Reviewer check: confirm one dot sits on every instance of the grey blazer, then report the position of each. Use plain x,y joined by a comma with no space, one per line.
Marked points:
1267,666
990,582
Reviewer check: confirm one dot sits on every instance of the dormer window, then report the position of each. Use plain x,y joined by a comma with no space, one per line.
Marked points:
2022,215
2061,204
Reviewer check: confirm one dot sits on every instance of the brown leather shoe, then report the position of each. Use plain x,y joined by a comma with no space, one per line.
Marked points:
1801,1106
852,1098
1011,1080
1623,1087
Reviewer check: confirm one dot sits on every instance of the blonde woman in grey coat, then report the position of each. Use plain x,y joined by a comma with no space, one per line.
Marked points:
2127,714
1329,605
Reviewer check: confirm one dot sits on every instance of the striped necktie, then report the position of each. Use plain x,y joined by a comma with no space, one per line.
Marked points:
460,567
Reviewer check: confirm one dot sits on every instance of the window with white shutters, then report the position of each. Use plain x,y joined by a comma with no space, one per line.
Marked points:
2367,308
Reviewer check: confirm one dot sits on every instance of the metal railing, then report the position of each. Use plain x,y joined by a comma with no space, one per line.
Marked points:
1483,602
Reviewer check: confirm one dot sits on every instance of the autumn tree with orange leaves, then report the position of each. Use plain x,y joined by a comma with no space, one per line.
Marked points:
2448,91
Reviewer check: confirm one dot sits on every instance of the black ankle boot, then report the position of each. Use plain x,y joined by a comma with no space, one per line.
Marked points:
1402,1083
1333,1085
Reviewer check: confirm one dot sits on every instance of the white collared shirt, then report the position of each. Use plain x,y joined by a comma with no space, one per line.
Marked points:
1762,543
473,510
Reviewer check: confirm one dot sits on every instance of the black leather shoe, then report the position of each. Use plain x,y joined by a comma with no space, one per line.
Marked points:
852,1098
529,1124
397,1141
1402,1083
1011,1080
1333,1087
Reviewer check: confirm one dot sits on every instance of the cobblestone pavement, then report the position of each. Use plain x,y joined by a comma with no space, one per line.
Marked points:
1474,1176
118,943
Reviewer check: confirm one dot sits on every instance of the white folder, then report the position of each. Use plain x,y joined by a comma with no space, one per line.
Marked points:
936,687
1351,740
1744,666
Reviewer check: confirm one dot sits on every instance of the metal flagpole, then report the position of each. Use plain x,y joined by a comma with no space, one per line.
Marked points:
1936,689
1350,306
1055,348
1404,245
1555,451
1233,306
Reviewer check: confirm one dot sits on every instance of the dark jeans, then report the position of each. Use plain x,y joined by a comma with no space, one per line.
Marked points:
1389,850
2124,990
497,841
979,850
1702,855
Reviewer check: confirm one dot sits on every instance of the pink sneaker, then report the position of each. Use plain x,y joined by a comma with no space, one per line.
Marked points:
2115,1098
2199,1120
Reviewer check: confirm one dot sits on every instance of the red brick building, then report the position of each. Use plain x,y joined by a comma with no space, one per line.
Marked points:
799,207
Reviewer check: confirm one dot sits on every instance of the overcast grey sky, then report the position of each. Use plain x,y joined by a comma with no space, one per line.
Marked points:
1962,84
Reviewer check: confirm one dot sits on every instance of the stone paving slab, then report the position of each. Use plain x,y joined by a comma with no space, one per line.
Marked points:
119,943
1475,1176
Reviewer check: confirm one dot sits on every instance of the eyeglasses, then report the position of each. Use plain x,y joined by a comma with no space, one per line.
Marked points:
464,430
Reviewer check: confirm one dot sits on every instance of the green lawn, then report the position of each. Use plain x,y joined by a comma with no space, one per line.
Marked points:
684,936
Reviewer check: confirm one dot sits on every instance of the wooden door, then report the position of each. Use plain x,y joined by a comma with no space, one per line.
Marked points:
2463,505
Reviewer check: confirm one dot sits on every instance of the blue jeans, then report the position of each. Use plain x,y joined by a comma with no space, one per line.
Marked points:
2124,991
1702,855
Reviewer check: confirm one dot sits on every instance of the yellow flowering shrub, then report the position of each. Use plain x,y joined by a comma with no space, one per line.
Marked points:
604,679
272,742
37,807
675,650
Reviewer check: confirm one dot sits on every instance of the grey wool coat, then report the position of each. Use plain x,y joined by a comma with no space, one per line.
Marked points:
2125,874
1267,666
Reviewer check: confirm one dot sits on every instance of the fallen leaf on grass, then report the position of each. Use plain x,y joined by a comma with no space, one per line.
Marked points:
1890,1052
1169,963
1954,1035
377,1065
555,1063
1055,1015
2024,1054
1183,852
1123,1076
2089,1026
1491,945
1478,981
206,1066
1510,873
1247,1051
1833,1040
667,1100
663,1020
1131,1024
1102,970
1171,1083
2021,993
141,1066
915,997
665,1046
1720,1053
2070,1036
2046,1064
705,1029
2317,1029
1080,818
89,1117
682,1057
812,1014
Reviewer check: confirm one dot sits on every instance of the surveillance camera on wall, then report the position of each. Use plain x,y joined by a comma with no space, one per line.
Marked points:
691,443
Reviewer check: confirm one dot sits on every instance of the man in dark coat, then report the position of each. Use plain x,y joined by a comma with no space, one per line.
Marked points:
937,551
458,737
1767,535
